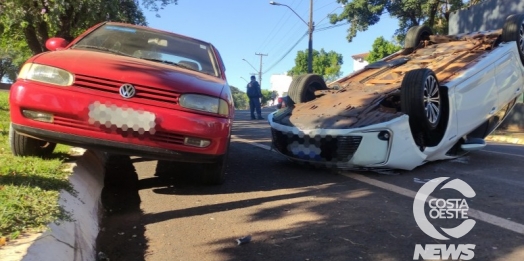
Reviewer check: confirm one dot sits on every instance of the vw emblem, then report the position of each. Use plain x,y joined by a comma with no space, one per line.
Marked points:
127,91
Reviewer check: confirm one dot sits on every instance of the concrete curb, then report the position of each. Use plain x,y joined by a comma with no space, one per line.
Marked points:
74,240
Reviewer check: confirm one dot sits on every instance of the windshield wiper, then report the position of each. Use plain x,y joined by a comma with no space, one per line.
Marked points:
169,62
159,60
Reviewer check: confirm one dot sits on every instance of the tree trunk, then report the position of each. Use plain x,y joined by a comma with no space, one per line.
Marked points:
432,13
32,39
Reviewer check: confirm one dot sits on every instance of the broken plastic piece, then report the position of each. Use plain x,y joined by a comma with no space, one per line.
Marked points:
243,240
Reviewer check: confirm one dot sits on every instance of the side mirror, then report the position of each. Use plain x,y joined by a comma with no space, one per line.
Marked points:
55,44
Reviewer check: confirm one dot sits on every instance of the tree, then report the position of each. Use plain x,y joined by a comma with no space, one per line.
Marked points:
13,52
327,64
153,6
239,98
25,25
381,48
363,13
39,20
266,96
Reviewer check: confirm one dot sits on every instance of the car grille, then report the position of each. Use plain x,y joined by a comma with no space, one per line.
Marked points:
147,93
158,136
318,148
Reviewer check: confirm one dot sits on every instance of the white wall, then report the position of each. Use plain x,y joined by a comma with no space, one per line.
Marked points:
359,64
280,83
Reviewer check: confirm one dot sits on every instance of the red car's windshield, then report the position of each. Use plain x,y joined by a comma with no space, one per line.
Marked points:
152,45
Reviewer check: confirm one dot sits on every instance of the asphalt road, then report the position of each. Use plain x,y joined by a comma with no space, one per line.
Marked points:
295,212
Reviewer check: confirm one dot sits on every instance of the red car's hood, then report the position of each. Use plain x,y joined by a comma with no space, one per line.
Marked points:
133,70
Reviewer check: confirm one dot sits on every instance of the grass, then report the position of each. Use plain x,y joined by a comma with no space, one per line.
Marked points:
29,186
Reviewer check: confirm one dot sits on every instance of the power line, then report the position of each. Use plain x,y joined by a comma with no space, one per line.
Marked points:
284,56
291,29
291,49
290,32
275,30
329,27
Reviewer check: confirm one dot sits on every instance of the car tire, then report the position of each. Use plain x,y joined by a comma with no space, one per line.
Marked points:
414,35
513,30
29,147
420,99
302,88
215,173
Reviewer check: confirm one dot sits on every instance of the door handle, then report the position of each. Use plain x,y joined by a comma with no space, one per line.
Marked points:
517,91
493,110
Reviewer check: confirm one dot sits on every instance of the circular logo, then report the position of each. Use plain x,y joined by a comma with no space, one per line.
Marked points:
127,90
443,209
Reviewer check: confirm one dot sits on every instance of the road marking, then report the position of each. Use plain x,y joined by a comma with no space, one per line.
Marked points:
477,214
251,142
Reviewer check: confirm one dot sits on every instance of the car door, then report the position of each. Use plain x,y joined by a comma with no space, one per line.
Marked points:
476,99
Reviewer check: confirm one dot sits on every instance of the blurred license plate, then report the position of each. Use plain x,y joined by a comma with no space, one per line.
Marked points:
111,116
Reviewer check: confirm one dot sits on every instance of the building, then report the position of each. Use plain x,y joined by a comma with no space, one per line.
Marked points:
280,83
359,61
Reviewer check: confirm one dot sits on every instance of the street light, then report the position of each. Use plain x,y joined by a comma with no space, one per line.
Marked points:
310,31
244,79
259,72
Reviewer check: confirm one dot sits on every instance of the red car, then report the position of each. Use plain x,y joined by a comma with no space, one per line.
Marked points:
126,89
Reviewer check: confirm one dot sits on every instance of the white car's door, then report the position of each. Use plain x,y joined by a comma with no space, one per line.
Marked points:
475,99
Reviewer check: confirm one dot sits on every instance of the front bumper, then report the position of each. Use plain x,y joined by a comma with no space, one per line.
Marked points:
73,110
364,147
116,147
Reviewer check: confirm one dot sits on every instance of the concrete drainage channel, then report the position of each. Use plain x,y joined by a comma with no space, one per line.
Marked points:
69,240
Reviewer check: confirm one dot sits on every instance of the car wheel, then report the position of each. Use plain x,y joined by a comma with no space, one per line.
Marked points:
414,35
215,173
26,146
420,99
513,30
302,88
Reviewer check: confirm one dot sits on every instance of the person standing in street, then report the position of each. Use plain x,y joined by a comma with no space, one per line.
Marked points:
254,93
274,96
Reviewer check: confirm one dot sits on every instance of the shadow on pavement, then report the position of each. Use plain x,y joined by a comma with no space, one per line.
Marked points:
122,212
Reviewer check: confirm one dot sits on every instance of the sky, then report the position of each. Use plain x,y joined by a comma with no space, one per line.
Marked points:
240,29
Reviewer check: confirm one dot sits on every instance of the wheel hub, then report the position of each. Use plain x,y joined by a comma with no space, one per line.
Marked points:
431,99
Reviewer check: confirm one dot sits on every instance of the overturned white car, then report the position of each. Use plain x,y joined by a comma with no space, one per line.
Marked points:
436,99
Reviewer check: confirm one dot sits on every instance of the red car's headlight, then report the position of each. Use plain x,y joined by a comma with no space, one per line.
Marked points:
204,103
46,74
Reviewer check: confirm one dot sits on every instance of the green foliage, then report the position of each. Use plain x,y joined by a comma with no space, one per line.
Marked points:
154,6
327,64
29,187
361,14
266,96
25,25
381,48
240,98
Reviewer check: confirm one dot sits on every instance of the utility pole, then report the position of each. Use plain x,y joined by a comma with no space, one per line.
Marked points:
260,71
310,43
310,28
